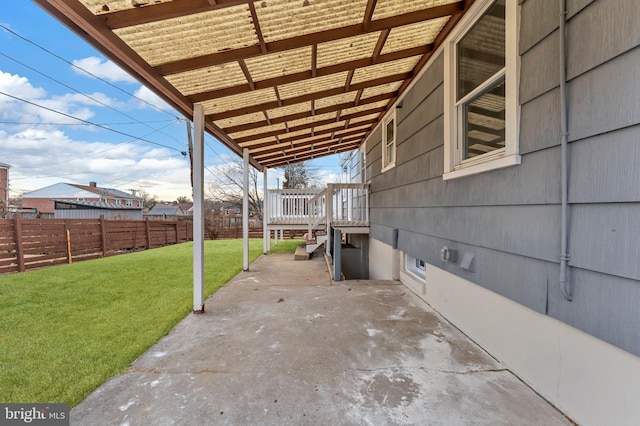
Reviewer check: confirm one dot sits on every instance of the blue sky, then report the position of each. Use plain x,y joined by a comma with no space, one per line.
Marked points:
139,140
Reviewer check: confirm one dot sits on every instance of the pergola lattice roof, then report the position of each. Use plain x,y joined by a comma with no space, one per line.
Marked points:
290,80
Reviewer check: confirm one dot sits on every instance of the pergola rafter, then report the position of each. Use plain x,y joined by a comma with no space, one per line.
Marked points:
271,74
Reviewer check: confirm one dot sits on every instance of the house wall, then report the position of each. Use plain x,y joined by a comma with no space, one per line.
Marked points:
509,219
43,205
47,205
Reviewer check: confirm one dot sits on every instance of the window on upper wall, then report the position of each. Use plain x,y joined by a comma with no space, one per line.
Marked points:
389,142
481,86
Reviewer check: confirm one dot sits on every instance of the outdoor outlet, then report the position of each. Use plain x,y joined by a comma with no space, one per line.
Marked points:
447,254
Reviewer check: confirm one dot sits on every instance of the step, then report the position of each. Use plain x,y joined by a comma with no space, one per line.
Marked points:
301,253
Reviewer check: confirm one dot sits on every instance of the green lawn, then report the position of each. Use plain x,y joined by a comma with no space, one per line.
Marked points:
64,330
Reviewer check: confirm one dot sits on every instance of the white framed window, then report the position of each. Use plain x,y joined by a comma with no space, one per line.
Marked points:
117,201
129,203
415,266
389,141
481,91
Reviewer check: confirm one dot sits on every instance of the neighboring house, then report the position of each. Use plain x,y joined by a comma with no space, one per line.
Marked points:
65,209
187,208
169,212
4,187
44,199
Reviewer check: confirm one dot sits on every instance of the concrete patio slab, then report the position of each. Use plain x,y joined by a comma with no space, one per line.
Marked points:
281,344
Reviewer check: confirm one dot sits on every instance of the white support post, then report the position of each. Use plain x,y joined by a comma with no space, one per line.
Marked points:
329,217
245,209
265,215
198,210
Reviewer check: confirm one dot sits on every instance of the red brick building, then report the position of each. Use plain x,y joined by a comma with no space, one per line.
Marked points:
4,186
43,199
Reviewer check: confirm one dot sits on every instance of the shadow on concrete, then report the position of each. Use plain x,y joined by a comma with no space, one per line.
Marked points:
281,344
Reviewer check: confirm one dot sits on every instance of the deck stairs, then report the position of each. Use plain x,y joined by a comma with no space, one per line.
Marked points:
314,243
303,252
339,206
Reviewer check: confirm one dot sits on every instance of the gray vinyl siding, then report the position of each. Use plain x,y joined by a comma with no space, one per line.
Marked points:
509,219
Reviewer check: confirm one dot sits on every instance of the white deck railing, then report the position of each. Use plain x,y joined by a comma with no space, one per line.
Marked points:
346,203
289,206
350,204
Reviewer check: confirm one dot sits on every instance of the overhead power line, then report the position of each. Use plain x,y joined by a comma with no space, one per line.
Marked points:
55,55
95,124
83,94
24,123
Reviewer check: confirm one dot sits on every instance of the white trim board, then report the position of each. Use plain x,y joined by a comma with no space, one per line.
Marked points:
593,382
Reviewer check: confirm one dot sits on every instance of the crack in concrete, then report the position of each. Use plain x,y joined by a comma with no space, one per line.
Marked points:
438,370
199,371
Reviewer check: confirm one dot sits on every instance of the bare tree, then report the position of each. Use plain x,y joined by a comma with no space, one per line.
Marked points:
227,187
298,175
213,219
148,201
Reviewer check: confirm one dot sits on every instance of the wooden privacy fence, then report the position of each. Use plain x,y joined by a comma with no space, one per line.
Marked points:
232,233
35,243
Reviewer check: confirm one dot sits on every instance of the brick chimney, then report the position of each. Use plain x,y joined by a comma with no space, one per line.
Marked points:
4,185
92,184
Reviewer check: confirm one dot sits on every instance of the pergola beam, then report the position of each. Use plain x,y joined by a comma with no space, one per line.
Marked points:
292,139
311,154
308,97
319,111
316,145
245,139
256,26
310,39
305,75
158,12
368,14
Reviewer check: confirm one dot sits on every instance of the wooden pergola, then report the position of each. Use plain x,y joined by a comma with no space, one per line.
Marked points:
276,81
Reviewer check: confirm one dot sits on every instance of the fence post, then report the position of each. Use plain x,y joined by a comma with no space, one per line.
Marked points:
147,227
103,235
68,233
177,234
17,230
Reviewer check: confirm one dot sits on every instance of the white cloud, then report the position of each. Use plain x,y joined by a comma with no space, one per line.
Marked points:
27,99
106,70
42,155
149,97
18,86
40,158
327,176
